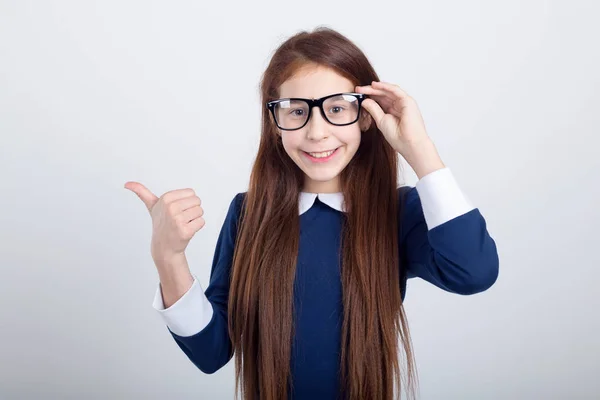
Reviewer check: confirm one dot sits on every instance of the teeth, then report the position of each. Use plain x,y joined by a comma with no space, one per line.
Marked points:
321,155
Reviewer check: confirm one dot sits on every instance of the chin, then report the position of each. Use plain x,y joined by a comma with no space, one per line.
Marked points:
322,177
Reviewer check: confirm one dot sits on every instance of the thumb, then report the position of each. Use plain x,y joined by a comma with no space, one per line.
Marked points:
143,193
374,109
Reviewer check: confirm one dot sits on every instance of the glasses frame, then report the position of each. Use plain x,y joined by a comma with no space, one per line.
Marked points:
316,103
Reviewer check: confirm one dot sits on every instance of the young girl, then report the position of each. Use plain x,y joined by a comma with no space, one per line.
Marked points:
309,273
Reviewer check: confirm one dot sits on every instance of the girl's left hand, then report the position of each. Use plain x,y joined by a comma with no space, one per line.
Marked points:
396,114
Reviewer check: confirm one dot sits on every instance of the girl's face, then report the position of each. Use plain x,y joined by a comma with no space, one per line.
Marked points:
318,135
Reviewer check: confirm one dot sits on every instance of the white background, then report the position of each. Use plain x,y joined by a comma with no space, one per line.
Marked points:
97,93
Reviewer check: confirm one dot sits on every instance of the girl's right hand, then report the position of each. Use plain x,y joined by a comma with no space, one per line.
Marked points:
176,217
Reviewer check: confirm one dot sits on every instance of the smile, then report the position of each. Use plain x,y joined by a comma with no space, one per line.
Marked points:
321,157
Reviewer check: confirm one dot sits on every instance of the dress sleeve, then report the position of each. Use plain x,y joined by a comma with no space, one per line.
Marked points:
443,238
211,348
188,315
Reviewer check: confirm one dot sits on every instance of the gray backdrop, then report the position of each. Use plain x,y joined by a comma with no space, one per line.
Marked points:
97,93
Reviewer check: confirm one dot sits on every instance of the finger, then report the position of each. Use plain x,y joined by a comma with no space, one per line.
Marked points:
384,100
191,214
390,102
185,204
374,109
147,197
390,87
374,92
174,195
196,224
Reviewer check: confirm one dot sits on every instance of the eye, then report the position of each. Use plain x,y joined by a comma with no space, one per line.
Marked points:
336,107
297,114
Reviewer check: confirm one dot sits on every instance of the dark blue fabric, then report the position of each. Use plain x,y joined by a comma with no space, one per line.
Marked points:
458,256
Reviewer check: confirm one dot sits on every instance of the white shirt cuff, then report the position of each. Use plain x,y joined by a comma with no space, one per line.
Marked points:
441,197
190,314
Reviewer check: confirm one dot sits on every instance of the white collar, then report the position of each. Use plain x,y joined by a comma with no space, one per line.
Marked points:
334,200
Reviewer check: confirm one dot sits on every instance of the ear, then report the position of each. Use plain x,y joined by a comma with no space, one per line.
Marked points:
365,120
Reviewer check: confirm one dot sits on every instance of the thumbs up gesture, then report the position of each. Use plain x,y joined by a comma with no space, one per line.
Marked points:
176,217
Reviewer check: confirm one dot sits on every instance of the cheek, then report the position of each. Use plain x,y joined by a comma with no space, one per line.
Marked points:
351,138
286,142
290,144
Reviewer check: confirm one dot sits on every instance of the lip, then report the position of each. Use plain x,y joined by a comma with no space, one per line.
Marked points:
322,151
320,160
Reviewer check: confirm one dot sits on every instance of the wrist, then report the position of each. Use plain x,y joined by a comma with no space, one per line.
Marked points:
166,256
174,275
423,157
169,264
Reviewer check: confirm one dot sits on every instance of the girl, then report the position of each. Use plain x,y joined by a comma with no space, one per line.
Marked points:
309,273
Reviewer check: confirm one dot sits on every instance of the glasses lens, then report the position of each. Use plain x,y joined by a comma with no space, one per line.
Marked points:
339,110
291,114
342,109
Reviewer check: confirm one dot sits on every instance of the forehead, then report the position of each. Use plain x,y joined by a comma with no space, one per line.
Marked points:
313,82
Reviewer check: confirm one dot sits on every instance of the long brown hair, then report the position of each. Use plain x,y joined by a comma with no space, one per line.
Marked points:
264,263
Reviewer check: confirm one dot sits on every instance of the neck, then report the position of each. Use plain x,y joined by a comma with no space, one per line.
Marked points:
312,186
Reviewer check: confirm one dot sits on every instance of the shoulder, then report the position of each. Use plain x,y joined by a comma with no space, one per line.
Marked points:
403,190
236,203
232,218
408,196
234,213
239,201
410,210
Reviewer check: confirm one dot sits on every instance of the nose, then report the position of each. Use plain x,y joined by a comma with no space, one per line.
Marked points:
317,125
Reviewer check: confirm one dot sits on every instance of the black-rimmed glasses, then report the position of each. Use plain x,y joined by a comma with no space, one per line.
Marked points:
338,109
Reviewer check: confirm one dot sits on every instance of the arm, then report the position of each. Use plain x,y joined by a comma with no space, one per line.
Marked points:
443,238
198,320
